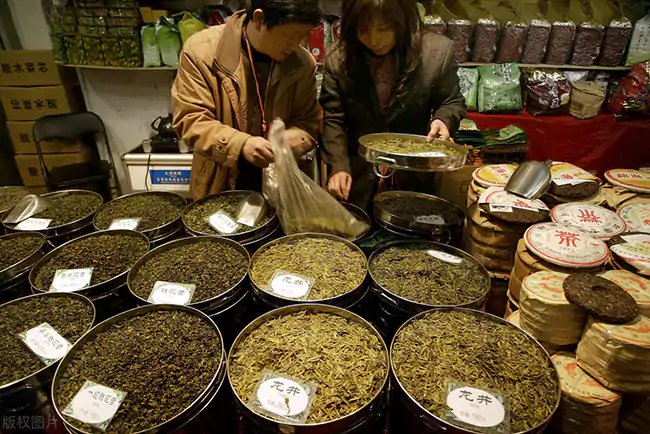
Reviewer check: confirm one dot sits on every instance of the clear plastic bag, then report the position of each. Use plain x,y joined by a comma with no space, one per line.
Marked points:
299,202
150,50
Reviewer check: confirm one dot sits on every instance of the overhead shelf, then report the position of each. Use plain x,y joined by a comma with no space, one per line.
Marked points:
546,66
122,68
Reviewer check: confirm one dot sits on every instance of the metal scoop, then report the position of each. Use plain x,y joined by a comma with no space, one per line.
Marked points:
251,210
530,180
30,205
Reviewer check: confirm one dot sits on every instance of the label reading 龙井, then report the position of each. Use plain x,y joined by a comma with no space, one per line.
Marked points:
171,293
71,280
33,224
125,223
282,396
223,223
290,285
45,342
477,407
95,404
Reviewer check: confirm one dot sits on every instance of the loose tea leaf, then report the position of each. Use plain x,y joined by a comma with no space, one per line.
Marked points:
412,207
163,360
15,249
194,218
69,208
409,271
10,196
108,254
214,266
336,267
70,317
345,360
411,147
474,349
154,210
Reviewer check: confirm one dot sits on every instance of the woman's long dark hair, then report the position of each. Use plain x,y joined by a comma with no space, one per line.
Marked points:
404,18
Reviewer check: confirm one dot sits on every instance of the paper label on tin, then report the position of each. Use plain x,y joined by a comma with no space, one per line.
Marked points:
430,219
282,396
223,223
33,224
71,280
592,219
637,216
95,404
171,293
500,208
477,407
45,342
636,238
291,285
445,256
125,223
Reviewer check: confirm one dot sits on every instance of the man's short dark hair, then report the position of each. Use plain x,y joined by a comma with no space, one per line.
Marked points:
277,12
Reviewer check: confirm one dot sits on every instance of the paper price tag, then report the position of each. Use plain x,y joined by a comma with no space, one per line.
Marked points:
45,342
500,208
71,280
282,396
95,404
430,219
32,224
564,181
477,407
126,223
223,223
445,256
291,285
171,293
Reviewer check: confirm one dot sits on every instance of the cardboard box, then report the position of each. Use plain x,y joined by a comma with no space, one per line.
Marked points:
31,103
22,139
33,68
453,186
30,170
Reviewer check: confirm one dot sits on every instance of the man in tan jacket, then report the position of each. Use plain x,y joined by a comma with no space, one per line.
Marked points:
234,80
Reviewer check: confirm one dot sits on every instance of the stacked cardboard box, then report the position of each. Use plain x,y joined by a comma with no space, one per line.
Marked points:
33,86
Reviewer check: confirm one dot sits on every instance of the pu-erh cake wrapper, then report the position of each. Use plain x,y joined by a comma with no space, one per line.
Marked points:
637,286
473,193
493,259
636,255
489,230
619,197
514,284
514,318
546,313
617,355
587,407
599,199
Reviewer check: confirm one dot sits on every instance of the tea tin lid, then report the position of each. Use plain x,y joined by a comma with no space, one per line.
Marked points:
634,180
567,173
635,332
593,219
498,196
637,286
565,246
637,216
546,285
494,175
577,383
636,254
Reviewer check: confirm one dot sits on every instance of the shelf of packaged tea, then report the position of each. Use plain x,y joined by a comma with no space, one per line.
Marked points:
547,66
122,68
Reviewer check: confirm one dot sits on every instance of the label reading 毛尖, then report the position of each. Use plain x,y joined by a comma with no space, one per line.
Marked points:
291,285
71,280
445,256
95,404
279,395
223,223
45,342
125,223
430,219
32,224
477,407
171,293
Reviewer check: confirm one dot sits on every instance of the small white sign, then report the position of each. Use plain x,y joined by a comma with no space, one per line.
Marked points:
171,293
572,181
430,219
291,285
33,224
431,154
476,407
500,208
45,342
445,256
280,395
126,223
223,223
71,280
95,404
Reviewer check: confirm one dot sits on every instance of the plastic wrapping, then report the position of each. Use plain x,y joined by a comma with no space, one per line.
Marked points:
301,205
499,89
460,31
150,50
169,42
435,23
561,42
513,38
632,95
549,93
468,78
189,25
485,42
537,38
589,39
617,36
639,50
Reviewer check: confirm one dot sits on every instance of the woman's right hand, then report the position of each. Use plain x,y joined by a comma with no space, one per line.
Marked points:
339,185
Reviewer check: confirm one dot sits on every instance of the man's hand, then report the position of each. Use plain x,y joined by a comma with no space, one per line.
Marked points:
438,131
257,150
295,140
339,185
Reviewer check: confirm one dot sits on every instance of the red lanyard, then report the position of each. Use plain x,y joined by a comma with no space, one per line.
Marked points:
257,85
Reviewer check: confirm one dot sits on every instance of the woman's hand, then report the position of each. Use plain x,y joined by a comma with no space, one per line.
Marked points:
438,131
339,185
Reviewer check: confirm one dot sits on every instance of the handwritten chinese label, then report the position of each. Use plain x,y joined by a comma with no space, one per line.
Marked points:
71,280
291,285
477,407
126,223
445,256
171,293
282,396
45,342
430,219
223,223
33,224
95,404
500,208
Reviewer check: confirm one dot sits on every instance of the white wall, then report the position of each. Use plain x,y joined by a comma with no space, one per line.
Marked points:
29,20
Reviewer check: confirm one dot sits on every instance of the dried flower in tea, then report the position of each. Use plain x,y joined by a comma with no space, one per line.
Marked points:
411,272
336,267
472,348
70,317
108,254
154,210
194,218
344,358
214,266
69,208
163,360
10,196
15,249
